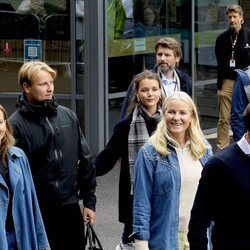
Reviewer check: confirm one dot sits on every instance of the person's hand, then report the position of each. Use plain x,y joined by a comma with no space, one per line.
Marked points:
88,215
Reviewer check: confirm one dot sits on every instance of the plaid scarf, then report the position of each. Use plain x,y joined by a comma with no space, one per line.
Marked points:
138,135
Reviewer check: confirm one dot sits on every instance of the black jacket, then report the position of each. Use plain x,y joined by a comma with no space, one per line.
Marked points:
223,52
223,198
185,85
117,148
59,156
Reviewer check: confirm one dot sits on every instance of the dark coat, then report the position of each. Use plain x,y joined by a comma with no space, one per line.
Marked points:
223,196
117,148
58,153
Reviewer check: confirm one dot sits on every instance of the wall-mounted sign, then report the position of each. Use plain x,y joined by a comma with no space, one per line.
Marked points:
139,44
32,50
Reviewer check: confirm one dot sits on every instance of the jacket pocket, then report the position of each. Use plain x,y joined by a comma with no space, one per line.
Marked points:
162,181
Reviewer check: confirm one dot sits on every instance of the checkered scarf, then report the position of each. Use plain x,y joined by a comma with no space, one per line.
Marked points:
138,135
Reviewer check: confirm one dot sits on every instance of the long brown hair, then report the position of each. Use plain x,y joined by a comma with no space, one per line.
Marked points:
8,139
146,74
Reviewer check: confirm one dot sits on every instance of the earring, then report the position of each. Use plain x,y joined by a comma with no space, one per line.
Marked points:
138,99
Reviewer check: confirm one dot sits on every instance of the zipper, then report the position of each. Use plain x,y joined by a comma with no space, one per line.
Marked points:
56,153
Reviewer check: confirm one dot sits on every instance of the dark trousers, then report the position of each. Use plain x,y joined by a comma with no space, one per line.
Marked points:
127,231
64,227
11,239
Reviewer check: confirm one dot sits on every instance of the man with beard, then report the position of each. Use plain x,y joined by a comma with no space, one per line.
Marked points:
232,51
168,55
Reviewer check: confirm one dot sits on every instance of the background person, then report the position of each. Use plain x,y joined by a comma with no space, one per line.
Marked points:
21,224
223,196
232,50
129,135
240,99
167,171
147,25
168,55
59,157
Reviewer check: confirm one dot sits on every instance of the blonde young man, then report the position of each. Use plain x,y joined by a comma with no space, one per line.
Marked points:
59,157
232,51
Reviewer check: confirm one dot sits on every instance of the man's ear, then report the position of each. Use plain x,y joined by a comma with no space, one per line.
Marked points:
177,59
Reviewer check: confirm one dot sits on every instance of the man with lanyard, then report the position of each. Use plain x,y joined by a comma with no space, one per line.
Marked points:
232,51
168,55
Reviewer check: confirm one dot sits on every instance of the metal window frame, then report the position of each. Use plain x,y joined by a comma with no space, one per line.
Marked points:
95,89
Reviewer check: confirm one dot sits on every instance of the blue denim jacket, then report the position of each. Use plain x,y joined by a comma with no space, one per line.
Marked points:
28,223
156,203
239,103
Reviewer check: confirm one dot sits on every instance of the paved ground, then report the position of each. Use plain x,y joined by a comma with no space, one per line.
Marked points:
107,226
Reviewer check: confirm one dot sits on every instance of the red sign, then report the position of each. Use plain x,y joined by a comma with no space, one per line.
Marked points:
7,49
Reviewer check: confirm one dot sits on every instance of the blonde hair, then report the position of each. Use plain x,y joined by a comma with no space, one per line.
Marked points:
162,136
8,139
29,72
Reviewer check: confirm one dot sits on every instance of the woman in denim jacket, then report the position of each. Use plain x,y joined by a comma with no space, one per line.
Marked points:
167,171
21,224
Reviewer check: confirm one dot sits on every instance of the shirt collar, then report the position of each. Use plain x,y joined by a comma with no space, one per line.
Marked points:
244,145
165,81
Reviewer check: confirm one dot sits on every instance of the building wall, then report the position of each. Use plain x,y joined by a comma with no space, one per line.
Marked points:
95,66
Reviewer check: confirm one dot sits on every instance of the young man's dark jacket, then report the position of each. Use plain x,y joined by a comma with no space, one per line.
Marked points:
59,156
185,85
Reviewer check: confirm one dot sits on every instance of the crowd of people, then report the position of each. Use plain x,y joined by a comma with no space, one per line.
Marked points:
173,192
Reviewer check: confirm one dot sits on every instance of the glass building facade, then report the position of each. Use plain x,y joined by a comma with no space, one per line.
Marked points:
97,46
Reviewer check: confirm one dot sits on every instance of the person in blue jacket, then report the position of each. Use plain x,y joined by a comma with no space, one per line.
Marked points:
167,172
240,99
21,224
168,55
